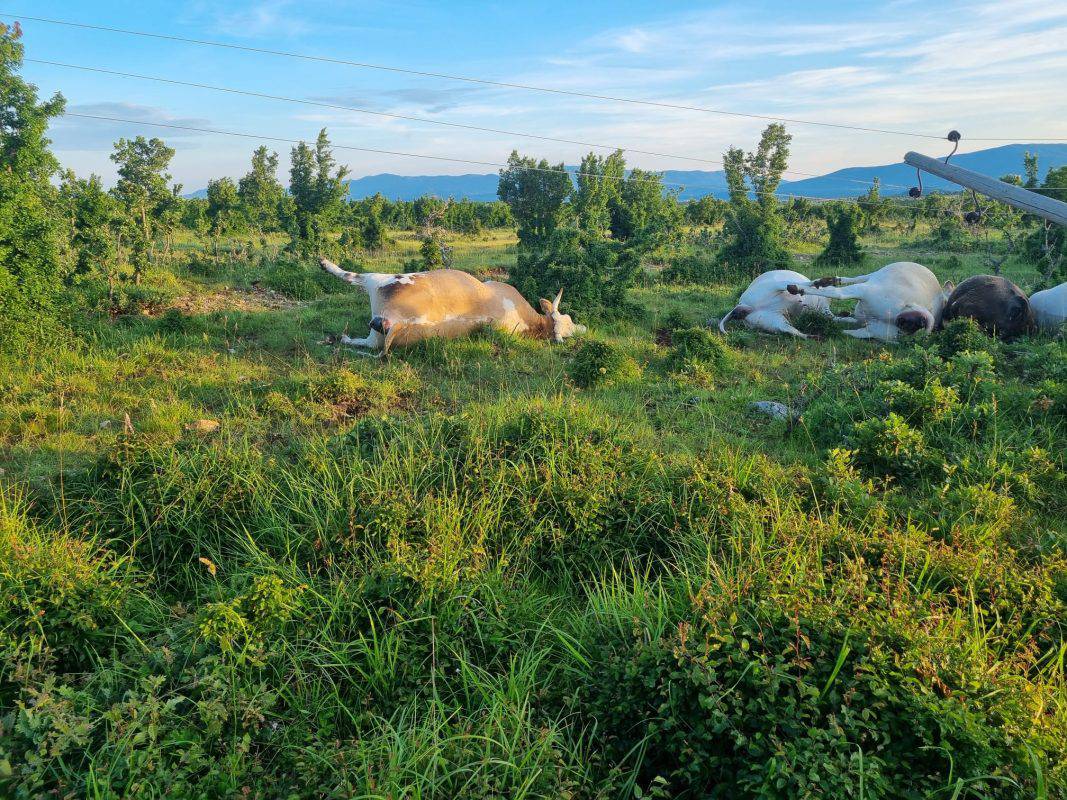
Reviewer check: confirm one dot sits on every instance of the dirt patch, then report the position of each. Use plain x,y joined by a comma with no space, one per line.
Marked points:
255,299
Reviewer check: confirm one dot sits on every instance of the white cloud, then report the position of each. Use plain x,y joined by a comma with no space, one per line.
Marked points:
74,133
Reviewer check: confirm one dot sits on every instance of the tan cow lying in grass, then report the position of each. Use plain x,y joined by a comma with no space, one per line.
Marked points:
447,303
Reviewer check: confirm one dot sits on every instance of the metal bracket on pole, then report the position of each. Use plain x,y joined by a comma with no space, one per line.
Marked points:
1020,198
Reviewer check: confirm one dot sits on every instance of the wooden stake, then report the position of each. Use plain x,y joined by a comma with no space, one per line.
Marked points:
1020,198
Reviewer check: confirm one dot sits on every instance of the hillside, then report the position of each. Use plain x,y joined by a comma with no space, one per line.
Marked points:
848,182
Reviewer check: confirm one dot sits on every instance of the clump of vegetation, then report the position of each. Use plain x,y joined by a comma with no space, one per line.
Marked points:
964,335
891,448
816,323
353,393
299,281
843,249
597,363
699,349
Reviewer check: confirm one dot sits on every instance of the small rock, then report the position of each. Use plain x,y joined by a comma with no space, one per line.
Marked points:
774,409
105,424
203,426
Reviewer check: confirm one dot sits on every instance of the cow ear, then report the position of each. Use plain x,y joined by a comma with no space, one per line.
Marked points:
546,306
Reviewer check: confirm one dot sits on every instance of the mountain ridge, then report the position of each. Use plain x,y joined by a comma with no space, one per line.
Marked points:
847,182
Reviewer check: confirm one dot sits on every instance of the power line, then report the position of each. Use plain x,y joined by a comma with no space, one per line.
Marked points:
464,126
503,84
495,164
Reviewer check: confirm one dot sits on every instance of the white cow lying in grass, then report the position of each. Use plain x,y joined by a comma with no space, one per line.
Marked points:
447,303
900,297
767,304
1050,307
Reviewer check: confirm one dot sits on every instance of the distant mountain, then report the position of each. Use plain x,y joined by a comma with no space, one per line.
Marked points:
996,162
848,182
409,187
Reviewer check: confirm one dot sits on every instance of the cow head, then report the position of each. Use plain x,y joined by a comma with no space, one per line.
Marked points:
914,319
561,326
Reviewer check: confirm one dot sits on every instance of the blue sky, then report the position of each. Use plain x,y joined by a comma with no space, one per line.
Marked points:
990,69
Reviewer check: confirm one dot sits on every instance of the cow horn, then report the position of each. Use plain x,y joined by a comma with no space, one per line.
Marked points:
555,303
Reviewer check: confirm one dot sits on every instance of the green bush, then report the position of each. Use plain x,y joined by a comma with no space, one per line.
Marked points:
962,335
699,348
593,272
595,363
757,702
59,595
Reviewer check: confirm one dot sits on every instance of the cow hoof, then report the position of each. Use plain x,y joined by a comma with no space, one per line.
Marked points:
793,289
822,283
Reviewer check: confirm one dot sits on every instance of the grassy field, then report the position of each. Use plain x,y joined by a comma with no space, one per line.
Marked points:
240,561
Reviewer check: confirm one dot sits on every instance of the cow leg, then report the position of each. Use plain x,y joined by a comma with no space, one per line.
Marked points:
373,341
874,329
832,292
860,333
851,281
773,323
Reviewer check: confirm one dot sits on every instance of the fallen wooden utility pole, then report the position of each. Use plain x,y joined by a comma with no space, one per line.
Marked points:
1020,198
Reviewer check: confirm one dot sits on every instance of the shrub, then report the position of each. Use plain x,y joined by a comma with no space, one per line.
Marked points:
594,273
922,407
595,363
59,596
843,249
699,348
756,702
964,334
891,448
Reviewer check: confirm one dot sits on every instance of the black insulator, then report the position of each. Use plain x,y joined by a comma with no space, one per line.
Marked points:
953,136
915,191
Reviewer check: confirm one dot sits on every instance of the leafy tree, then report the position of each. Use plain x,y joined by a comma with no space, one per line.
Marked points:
223,209
496,214
29,231
843,249
317,187
260,192
142,188
599,179
194,215
428,210
1030,168
94,214
872,206
461,217
432,253
1046,245
373,233
594,271
752,237
641,212
707,210
535,192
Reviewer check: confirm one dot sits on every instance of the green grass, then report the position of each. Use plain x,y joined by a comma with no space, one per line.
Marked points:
485,568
